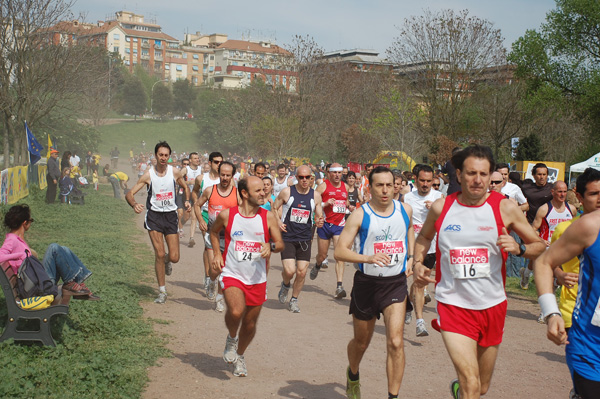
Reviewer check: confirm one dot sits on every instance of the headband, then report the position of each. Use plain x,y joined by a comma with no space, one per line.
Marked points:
336,169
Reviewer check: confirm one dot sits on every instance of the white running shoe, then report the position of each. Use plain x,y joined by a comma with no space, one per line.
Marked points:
293,306
283,293
211,293
220,305
162,298
421,329
230,353
408,318
239,369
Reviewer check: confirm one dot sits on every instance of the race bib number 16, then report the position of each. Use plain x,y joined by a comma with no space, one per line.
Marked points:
467,263
247,250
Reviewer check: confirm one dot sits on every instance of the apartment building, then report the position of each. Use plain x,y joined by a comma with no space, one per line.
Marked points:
360,60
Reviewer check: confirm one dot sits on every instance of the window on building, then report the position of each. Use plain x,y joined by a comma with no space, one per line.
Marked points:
195,80
211,69
157,54
204,69
212,57
116,36
195,56
134,51
179,67
225,54
127,51
185,55
157,42
127,39
135,39
234,63
167,67
115,49
195,67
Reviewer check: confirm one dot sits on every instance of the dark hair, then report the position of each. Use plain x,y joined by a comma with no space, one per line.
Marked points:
184,159
368,165
422,168
379,169
281,166
214,155
476,151
16,215
588,175
351,174
260,164
268,178
455,150
162,144
515,178
192,153
502,165
227,163
538,166
242,185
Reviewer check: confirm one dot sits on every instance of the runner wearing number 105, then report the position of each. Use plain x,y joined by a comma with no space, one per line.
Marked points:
161,215
472,244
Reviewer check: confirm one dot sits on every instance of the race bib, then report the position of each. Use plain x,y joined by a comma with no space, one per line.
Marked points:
339,206
247,250
417,228
164,198
300,215
467,263
394,249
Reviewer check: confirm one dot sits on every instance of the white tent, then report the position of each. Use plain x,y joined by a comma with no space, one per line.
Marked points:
593,162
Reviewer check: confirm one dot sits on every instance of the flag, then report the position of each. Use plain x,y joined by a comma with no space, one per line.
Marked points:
33,146
50,147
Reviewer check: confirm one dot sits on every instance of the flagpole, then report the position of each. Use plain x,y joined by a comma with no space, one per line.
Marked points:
27,141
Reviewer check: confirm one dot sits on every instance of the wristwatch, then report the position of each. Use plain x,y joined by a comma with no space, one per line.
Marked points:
522,249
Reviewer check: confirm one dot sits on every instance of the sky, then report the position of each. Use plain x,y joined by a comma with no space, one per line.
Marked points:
333,24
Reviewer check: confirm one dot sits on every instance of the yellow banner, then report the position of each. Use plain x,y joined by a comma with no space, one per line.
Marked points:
17,184
42,170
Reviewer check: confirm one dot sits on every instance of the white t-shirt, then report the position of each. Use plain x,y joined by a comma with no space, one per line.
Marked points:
74,160
420,211
513,191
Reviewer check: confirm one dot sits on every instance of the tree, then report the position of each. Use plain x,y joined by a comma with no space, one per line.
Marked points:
163,100
42,70
183,97
133,97
530,149
442,54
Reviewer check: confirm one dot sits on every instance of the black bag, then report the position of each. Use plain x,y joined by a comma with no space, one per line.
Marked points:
32,279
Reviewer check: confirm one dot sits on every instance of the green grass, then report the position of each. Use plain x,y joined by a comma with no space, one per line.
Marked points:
103,348
513,287
181,135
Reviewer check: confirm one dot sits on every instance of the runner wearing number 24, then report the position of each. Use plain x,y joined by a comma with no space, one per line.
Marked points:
472,243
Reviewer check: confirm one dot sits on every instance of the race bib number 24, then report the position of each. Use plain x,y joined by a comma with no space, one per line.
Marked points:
247,251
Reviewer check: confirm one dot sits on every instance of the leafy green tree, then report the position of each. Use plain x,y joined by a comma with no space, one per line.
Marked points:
183,97
162,103
133,96
530,149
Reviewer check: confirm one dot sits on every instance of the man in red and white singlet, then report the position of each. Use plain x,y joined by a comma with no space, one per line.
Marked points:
161,216
553,212
472,243
243,265
334,193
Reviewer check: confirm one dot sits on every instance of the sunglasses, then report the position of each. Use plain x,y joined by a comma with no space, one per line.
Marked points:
303,177
496,182
216,162
435,185
186,164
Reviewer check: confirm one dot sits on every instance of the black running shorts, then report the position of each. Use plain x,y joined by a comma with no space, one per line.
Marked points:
163,222
372,294
299,250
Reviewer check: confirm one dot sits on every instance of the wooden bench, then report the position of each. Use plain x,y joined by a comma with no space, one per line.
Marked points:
8,280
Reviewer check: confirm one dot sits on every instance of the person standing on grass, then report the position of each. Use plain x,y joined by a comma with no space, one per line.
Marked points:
52,177
161,215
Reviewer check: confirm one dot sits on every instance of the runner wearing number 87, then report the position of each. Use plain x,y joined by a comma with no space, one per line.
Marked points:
161,215
243,265
472,244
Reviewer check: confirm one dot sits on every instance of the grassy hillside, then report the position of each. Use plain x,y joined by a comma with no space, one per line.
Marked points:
181,136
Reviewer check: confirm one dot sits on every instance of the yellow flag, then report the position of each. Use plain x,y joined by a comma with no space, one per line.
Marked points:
49,147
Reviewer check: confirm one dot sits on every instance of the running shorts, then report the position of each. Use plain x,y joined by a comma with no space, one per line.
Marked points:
299,250
205,216
163,222
208,244
486,326
429,261
179,201
372,294
255,295
329,230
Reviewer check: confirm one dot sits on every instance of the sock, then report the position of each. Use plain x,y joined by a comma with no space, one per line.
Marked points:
318,265
352,376
162,288
293,299
392,396
286,285
233,337
219,297
339,284
421,321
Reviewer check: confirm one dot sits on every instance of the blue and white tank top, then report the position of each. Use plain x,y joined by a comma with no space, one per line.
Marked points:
386,234
161,191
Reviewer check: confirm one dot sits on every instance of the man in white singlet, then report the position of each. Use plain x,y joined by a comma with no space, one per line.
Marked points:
472,241
161,215
421,200
383,228
243,266
193,170
281,181
553,212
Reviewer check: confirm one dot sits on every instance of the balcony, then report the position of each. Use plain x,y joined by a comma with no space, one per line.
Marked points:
145,57
145,45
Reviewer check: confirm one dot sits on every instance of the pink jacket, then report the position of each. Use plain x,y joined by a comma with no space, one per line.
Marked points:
13,251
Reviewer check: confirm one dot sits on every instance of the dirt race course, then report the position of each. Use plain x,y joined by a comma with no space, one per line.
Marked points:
304,355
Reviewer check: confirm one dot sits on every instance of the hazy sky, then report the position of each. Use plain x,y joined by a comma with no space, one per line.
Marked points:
334,24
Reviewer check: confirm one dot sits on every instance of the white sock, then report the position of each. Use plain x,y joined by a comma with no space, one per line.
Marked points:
162,288
420,321
219,297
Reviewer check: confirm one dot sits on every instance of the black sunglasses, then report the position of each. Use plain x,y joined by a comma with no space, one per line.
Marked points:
496,182
303,177
435,185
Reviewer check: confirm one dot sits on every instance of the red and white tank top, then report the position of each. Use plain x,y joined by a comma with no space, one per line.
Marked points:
552,219
244,237
335,214
161,191
472,269
217,203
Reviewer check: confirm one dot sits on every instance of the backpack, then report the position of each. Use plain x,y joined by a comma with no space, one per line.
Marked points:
32,279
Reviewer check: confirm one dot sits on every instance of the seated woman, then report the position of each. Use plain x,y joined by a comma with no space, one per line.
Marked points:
60,262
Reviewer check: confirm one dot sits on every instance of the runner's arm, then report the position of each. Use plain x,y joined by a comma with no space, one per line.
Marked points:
282,198
410,237
343,251
423,242
144,180
319,218
539,216
275,234
196,189
198,207
186,190
216,228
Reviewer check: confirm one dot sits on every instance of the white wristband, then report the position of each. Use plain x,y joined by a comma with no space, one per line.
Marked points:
548,304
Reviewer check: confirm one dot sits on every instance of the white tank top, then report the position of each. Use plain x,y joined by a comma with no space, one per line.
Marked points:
471,270
161,191
243,242
552,219
278,187
383,234
191,175
420,211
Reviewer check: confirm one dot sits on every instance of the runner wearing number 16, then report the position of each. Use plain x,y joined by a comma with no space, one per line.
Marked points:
472,245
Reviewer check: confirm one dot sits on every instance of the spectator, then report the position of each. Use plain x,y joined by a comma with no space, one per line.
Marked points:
450,172
89,162
52,177
105,171
65,185
114,157
118,180
66,160
74,160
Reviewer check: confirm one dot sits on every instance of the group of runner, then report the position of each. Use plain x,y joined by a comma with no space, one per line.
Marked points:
465,235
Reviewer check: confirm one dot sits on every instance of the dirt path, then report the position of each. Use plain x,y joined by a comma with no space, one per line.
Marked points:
304,355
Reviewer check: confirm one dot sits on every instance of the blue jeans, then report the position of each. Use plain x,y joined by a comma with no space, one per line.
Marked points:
514,263
116,186
62,263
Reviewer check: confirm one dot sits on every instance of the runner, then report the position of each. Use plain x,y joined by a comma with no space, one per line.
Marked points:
208,179
219,197
193,170
243,267
364,183
269,196
583,338
161,213
472,241
300,203
380,280
179,200
421,200
281,181
335,203
260,170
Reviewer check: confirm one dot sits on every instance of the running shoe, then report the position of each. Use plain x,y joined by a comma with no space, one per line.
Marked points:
191,242
421,329
408,318
180,233
455,389
293,306
211,293
340,292
162,298
524,272
573,395
230,353
352,387
168,265
314,272
427,297
206,283
220,305
239,369
325,264
283,293
541,319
